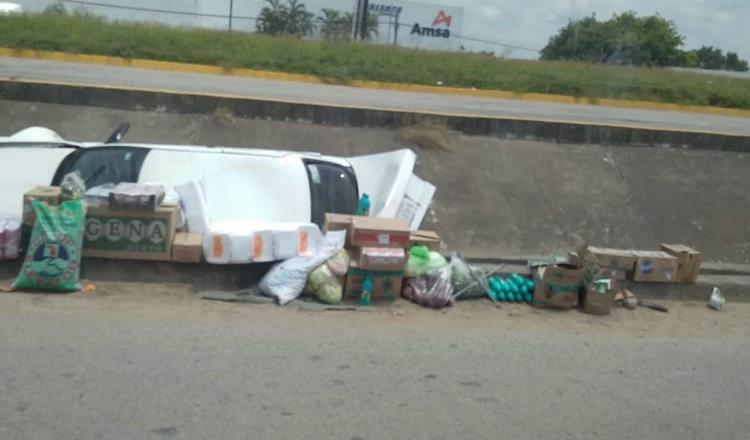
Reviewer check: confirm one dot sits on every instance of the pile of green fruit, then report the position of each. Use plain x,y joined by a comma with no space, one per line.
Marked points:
515,288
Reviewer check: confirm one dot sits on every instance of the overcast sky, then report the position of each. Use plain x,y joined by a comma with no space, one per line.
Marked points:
720,23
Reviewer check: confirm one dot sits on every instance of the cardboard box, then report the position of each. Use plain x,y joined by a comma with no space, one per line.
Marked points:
379,232
49,194
557,286
599,297
431,239
688,260
386,285
614,258
131,235
337,222
136,196
385,259
187,247
654,267
613,274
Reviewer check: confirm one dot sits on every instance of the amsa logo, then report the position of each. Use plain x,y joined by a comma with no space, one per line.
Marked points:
438,32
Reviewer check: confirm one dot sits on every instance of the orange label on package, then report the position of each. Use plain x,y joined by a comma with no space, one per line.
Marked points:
257,247
218,246
303,243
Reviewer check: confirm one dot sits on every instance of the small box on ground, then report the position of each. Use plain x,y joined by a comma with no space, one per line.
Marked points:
129,234
337,222
187,247
386,285
557,286
136,196
654,267
688,259
431,239
379,232
614,258
383,259
599,297
48,194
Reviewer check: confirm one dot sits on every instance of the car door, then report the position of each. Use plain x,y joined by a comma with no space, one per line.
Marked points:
393,188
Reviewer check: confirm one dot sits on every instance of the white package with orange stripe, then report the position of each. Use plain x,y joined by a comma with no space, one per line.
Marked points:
216,247
295,240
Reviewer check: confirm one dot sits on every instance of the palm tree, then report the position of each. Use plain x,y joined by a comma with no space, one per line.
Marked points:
330,24
299,20
272,19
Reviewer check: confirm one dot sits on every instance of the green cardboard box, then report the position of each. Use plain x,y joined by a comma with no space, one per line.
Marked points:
130,235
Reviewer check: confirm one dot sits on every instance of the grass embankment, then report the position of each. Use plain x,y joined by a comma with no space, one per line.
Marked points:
344,61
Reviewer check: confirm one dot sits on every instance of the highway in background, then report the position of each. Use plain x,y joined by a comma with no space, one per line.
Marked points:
336,95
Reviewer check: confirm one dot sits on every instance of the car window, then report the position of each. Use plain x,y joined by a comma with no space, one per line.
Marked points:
333,189
98,166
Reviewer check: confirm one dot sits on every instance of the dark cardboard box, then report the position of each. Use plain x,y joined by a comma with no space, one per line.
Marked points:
654,267
614,258
379,232
688,260
557,286
383,259
599,302
386,286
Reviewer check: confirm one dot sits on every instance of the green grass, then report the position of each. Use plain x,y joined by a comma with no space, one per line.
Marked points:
342,61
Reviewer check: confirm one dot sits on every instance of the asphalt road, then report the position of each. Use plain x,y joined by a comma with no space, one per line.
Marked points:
76,73
137,363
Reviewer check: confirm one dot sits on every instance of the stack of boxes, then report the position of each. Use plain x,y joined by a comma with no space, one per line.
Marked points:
378,250
673,264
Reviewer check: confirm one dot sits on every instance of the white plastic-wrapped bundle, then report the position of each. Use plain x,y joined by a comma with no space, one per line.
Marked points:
194,207
217,247
10,238
263,245
295,240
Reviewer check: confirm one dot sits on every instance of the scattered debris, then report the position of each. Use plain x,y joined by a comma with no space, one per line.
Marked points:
717,300
253,296
653,306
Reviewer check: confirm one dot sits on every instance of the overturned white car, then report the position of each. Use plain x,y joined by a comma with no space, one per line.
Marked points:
238,186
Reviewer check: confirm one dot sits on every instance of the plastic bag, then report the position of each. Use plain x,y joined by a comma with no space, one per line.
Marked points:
422,260
339,264
53,259
10,238
286,280
72,187
462,278
717,300
432,289
324,284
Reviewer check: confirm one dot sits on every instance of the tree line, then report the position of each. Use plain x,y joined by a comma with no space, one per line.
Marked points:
291,18
628,39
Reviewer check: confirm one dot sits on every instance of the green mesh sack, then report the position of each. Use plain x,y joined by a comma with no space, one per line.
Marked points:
53,257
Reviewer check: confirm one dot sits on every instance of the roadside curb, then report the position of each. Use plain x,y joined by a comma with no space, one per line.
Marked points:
417,88
136,99
735,288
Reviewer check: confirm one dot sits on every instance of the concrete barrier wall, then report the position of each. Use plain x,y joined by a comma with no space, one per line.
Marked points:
561,132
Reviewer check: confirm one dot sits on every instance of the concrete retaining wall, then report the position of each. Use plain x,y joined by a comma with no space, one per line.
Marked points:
560,132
